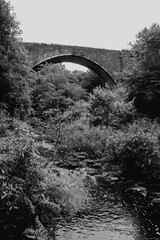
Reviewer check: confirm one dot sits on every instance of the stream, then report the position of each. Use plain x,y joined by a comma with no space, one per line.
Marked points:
107,217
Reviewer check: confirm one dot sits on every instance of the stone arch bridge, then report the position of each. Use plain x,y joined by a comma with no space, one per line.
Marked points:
106,63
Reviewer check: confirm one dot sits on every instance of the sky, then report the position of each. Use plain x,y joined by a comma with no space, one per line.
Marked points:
109,24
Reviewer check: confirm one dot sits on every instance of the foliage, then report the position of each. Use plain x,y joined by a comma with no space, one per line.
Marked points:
67,121
66,191
144,74
55,88
97,142
133,148
77,110
99,107
18,179
139,152
30,185
17,211
4,119
14,68
38,232
110,107
89,80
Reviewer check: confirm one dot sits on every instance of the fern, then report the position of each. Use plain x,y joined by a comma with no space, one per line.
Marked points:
50,205
29,233
29,205
40,232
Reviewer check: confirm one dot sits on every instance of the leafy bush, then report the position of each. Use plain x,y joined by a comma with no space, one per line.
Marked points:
139,151
95,141
99,107
30,185
110,107
76,111
134,148
66,191
19,178
143,75
16,210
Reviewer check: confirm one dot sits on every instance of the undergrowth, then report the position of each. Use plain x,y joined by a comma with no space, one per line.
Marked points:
31,187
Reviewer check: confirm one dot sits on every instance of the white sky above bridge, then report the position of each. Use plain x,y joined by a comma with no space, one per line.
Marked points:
109,24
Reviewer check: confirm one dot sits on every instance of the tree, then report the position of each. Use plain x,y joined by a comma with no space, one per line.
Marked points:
55,88
15,73
144,76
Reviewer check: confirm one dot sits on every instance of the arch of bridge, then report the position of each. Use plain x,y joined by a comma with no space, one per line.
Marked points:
82,60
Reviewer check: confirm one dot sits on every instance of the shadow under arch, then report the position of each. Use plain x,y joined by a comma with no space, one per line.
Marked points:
84,61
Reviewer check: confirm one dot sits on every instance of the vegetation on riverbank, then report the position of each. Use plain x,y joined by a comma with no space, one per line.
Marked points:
58,126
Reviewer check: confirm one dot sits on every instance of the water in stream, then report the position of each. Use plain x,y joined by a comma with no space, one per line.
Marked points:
106,218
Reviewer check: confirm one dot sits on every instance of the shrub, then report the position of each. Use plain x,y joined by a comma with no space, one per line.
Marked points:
97,141
139,150
30,185
110,107
78,110
67,191
19,179
134,149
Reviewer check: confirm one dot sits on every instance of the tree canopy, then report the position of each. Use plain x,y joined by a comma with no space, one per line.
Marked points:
143,77
14,68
